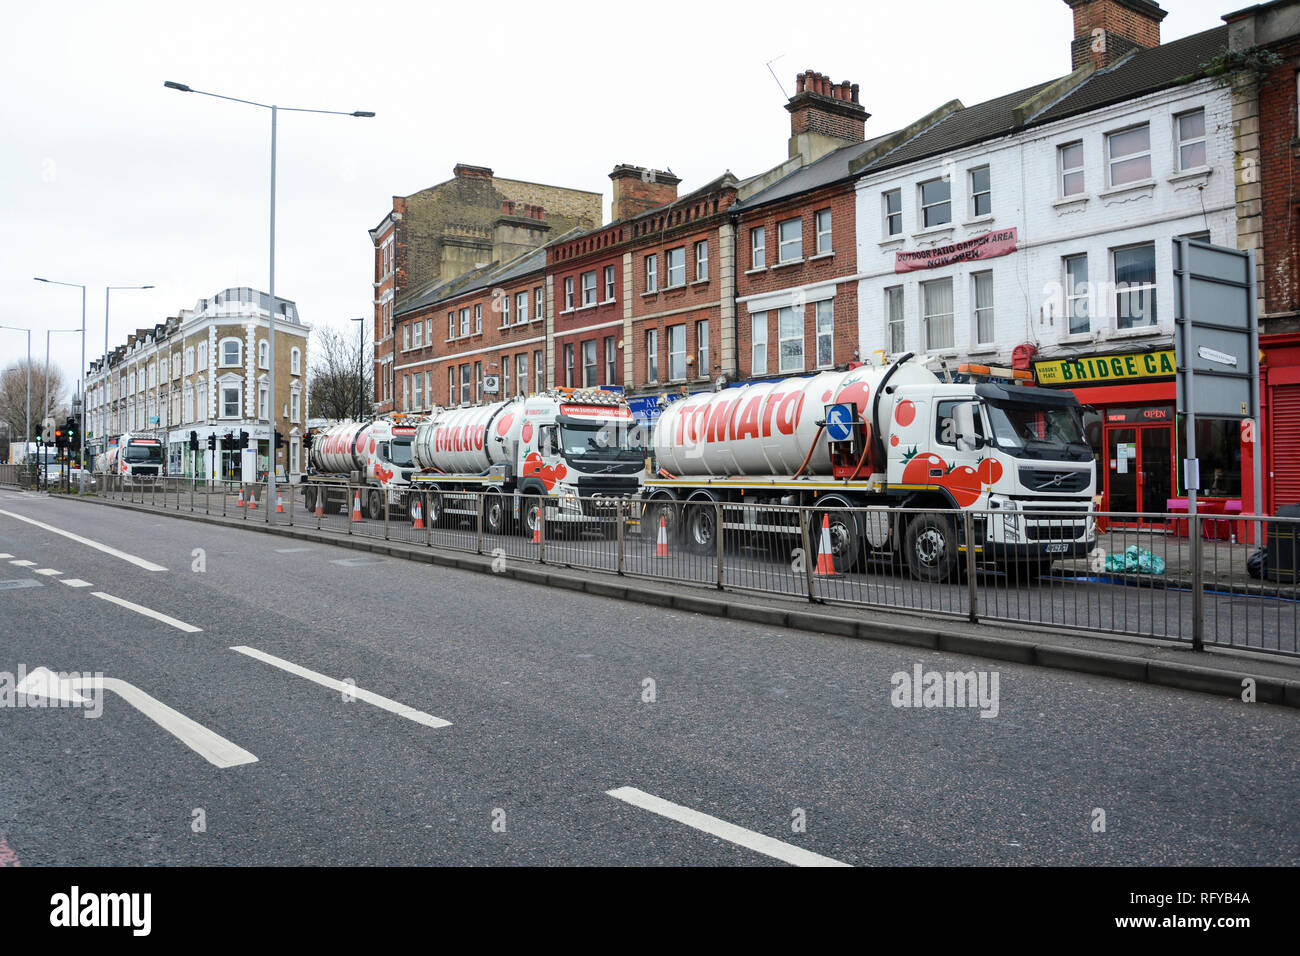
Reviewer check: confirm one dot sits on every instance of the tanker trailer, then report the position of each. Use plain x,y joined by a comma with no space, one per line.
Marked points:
375,455
879,438
568,451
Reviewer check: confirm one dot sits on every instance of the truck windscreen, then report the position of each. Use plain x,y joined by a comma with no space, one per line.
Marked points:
151,454
399,453
1032,431
622,442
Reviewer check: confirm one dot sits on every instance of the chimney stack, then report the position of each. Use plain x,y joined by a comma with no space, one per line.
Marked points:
1106,31
824,116
637,189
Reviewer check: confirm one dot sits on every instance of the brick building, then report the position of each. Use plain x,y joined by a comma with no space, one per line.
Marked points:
585,273
1264,50
468,223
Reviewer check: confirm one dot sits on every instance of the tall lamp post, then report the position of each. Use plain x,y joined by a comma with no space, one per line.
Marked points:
81,429
27,435
107,290
361,368
270,312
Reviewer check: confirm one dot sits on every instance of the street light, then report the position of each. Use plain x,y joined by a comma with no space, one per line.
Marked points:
361,368
27,435
270,312
81,432
107,290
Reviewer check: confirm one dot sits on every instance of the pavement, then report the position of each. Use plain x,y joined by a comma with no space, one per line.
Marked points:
723,741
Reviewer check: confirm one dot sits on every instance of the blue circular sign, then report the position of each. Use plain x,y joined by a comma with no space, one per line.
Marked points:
839,422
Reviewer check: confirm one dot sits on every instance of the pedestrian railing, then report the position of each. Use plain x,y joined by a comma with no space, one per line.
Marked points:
1198,579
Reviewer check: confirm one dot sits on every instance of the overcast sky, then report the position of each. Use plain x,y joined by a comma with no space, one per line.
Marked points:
108,178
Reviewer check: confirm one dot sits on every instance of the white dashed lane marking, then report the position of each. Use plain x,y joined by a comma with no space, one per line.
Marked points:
48,572
147,612
23,564
98,546
74,582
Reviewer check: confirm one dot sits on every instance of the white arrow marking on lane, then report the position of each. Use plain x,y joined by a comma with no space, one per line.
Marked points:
148,612
211,746
383,703
98,546
766,845
74,582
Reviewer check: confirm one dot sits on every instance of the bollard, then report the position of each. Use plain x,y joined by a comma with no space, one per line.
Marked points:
968,532
717,534
622,521
807,556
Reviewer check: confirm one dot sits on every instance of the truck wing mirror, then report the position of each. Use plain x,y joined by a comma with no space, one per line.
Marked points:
968,436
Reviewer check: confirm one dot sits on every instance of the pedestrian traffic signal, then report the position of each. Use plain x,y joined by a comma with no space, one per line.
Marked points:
70,431
243,440
60,438
212,443
194,441
279,441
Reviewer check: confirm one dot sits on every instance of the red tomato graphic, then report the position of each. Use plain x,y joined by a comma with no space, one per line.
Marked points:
382,473
526,433
918,468
893,440
964,484
826,396
372,446
904,413
856,393
503,426
549,474
990,471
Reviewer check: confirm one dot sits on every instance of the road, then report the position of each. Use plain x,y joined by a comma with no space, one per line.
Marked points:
538,706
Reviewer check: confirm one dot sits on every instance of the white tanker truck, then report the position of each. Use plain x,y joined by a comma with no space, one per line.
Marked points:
134,456
376,454
563,449
894,436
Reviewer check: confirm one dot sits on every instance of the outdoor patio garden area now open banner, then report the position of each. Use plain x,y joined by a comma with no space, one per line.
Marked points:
990,245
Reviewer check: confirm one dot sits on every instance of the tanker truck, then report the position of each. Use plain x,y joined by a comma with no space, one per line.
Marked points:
893,436
375,453
565,450
132,458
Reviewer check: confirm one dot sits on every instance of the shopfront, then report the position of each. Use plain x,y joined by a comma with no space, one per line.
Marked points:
1138,439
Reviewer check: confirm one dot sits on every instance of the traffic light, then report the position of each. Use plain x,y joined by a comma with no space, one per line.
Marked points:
71,430
194,441
243,440
39,430
307,439
212,443
60,438
279,441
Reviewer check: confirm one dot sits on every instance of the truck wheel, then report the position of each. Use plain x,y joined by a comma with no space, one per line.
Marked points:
309,498
845,539
701,528
494,514
432,506
667,510
375,505
530,515
931,548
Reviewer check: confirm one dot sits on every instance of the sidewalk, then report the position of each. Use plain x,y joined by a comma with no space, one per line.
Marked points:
1225,562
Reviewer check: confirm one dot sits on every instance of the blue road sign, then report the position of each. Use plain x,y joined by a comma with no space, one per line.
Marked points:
839,422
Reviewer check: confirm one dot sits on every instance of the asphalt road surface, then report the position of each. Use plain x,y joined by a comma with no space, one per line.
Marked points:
396,713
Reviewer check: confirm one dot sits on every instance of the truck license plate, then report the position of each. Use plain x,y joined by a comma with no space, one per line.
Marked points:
1057,548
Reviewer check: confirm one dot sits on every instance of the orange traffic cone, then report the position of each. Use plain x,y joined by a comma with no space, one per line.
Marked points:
252,500
661,546
356,506
419,516
239,502
279,503
825,557
320,503
537,528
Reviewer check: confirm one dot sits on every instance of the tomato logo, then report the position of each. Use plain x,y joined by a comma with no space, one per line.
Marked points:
547,473
893,441
856,393
963,482
826,396
503,426
904,413
990,470
526,433
917,468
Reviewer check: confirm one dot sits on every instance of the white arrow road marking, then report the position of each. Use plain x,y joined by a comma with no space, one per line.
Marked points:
211,746
74,582
148,612
383,703
98,546
48,572
766,845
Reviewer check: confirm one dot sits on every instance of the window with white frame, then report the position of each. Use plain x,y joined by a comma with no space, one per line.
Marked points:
676,352
758,342
1128,155
568,293
451,385
521,307
652,273
982,298
230,350
894,319
757,247
936,203
478,317
262,395
295,406
521,373
465,371
676,266
506,380
263,354
826,333
417,390
406,393
611,360
189,361
428,387
609,284
539,370
981,192
1135,286
201,401
823,220
1190,128
464,321
891,203
589,288
189,403
789,324
937,313
406,337
702,366
502,302
789,240
568,366
539,303
295,361
702,261
1077,298
478,381
230,401
652,355
417,335
589,365
451,325
428,331
203,355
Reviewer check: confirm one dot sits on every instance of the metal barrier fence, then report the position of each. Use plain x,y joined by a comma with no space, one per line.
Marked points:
18,476
1138,575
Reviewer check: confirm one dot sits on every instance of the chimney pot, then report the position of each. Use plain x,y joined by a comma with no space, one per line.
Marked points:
1106,31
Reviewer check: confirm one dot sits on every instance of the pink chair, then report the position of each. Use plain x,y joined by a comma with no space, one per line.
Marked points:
1177,506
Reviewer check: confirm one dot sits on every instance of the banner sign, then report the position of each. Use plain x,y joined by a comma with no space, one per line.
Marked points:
1094,369
988,246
